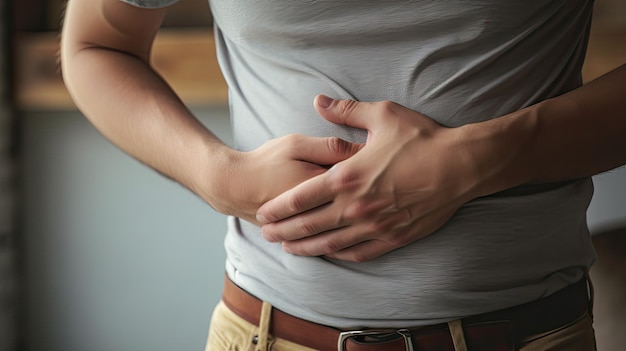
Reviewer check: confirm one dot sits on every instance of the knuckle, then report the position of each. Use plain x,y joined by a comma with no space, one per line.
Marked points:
343,178
329,246
305,227
380,225
284,146
386,108
346,107
356,210
337,145
397,241
292,140
387,105
294,203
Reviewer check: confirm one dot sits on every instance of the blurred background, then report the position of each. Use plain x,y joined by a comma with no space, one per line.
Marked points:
98,252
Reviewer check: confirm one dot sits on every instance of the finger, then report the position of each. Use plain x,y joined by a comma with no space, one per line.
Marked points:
318,220
329,242
400,237
307,195
324,151
363,252
348,112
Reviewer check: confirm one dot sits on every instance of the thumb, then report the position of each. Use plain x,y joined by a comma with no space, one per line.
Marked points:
347,112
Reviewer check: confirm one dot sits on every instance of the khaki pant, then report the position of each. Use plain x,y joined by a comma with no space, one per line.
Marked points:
229,332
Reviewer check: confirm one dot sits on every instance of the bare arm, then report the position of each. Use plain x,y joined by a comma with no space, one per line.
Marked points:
578,134
105,55
105,61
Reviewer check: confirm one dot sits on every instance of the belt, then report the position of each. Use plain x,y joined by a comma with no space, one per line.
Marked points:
498,330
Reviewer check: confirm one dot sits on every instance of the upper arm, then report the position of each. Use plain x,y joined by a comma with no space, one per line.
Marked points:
110,24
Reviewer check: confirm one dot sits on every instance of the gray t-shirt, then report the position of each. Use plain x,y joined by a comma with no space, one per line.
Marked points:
456,61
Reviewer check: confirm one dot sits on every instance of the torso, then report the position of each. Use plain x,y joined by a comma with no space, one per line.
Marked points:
456,61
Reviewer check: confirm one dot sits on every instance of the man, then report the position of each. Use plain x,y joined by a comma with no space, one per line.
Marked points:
449,216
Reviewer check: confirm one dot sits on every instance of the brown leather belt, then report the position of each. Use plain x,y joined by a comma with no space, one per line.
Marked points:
499,330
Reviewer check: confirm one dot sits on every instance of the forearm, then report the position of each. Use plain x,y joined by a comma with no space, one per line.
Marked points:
578,134
136,110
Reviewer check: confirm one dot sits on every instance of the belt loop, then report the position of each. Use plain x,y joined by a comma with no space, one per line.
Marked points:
264,326
458,337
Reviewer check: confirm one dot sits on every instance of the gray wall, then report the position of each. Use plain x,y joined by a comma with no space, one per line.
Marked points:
607,220
117,257
608,208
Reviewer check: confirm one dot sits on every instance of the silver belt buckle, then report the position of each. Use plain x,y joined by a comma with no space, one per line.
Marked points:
344,336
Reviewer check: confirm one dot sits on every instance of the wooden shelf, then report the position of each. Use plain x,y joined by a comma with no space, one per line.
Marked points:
186,59
606,51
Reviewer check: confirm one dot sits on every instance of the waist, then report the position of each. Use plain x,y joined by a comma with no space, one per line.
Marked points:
494,253
508,326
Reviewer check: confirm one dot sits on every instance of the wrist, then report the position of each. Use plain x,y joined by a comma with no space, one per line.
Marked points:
215,175
497,151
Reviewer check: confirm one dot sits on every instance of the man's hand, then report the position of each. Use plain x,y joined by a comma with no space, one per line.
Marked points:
250,179
406,182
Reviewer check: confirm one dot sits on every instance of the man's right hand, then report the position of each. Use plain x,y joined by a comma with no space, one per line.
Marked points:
246,180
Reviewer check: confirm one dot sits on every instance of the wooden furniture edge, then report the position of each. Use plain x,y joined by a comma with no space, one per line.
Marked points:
187,60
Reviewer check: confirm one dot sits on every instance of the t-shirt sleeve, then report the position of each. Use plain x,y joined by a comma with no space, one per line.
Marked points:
152,4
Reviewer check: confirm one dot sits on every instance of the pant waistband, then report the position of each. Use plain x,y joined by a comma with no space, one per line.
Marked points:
502,330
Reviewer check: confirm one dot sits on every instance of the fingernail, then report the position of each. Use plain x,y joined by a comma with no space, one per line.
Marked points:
324,101
286,248
267,237
261,219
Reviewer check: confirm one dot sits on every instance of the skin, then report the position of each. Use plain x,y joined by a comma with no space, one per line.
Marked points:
105,50
397,188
